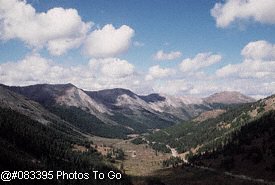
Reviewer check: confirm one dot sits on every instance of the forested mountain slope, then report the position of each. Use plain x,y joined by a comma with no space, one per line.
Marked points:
251,151
197,136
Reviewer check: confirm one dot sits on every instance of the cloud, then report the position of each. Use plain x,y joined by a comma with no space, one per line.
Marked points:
57,29
173,87
112,67
33,69
111,73
252,87
156,72
161,55
249,69
259,50
259,62
97,74
254,76
201,60
108,41
234,10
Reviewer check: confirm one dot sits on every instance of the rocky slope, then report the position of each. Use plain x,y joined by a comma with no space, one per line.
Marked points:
29,108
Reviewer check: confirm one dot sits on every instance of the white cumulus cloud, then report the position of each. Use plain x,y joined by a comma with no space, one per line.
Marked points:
96,75
259,62
259,50
112,67
156,72
31,70
201,60
249,69
233,10
173,87
108,41
58,29
161,55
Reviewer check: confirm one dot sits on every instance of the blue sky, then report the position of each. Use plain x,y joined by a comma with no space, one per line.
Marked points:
210,44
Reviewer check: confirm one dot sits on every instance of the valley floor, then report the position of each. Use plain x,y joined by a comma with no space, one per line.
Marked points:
145,166
140,160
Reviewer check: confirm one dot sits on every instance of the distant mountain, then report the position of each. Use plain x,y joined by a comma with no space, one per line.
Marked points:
228,97
118,112
168,108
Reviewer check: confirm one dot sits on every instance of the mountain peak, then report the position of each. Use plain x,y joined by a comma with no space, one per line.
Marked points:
229,97
43,93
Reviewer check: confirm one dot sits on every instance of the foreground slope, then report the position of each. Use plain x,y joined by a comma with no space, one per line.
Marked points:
250,151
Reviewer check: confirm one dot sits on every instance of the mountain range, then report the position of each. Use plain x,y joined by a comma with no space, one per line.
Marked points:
114,112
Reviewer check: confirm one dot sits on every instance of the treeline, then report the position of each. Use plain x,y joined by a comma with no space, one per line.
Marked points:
26,144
